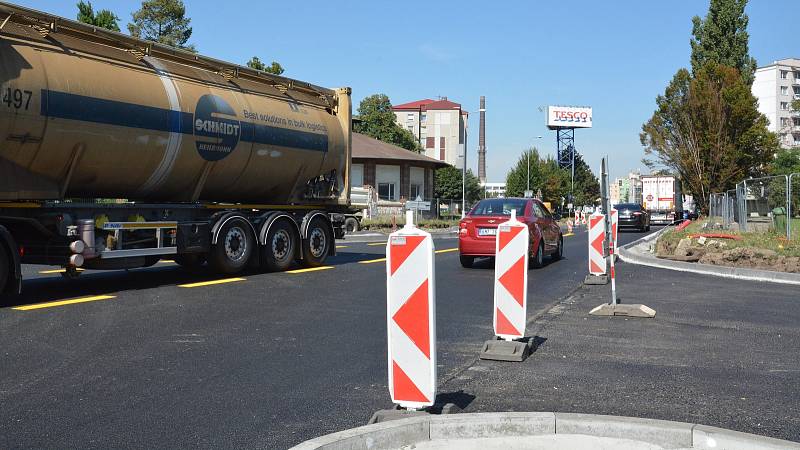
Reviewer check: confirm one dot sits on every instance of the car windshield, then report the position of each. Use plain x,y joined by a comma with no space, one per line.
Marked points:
628,207
499,207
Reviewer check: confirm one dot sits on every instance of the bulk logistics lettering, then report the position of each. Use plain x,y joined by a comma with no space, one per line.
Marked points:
277,120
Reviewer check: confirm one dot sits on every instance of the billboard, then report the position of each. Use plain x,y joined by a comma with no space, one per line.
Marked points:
569,117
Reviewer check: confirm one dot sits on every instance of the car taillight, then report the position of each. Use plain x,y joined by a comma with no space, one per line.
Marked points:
637,213
463,231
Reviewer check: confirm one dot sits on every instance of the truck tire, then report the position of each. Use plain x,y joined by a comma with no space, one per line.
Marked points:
234,246
280,247
192,261
351,225
317,243
5,266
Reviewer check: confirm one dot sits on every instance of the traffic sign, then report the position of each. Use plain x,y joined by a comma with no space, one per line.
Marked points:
411,316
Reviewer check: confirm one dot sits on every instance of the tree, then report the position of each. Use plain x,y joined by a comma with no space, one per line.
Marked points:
376,119
163,21
722,38
275,68
103,18
447,185
554,182
587,186
708,130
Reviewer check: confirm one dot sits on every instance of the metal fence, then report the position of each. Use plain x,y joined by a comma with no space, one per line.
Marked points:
768,204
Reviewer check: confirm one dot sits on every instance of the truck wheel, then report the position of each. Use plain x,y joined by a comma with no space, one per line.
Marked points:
280,248
317,243
351,225
234,246
191,261
4,269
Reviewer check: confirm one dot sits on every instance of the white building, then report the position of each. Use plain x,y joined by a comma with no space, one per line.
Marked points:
493,190
775,87
439,125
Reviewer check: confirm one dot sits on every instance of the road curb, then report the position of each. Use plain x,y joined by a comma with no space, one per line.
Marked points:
637,253
465,428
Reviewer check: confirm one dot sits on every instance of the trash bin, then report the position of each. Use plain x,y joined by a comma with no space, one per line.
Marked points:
779,219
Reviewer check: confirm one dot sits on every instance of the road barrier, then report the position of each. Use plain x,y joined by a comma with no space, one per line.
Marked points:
597,234
614,225
512,246
411,316
577,217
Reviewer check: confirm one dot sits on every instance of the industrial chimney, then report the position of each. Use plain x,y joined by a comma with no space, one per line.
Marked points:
482,143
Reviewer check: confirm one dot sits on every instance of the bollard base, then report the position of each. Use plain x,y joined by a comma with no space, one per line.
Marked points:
596,280
608,309
502,350
397,413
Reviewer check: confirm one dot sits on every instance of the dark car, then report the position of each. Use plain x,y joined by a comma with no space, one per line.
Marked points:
478,230
632,215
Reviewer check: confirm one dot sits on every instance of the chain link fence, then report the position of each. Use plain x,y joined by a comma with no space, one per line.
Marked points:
767,204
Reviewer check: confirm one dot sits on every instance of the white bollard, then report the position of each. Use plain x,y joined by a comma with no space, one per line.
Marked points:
512,246
597,234
411,316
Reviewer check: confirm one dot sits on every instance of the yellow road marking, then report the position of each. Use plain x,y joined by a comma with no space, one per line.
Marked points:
569,234
447,250
370,261
47,272
341,246
209,283
63,302
310,269
166,261
375,244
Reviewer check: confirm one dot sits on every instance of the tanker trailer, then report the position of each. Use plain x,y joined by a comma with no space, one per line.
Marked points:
116,152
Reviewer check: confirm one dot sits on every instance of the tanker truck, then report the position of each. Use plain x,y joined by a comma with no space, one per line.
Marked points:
117,152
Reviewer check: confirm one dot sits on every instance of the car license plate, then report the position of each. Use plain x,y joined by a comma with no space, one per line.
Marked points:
487,231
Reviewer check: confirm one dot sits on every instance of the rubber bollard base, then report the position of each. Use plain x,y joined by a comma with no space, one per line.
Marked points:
502,350
596,280
608,309
385,415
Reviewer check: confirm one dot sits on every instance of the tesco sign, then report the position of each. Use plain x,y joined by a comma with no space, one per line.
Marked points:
569,117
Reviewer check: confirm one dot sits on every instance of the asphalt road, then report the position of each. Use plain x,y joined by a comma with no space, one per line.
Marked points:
160,359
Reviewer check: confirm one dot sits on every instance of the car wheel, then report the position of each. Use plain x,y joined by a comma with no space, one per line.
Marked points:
318,243
559,253
280,247
538,258
466,261
234,246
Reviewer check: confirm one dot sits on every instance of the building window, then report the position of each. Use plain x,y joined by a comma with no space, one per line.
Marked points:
797,75
416,191
410,117
423,117
784,74
784,90
784,106
797,121
411,128
386,191
785,121
357,175
430,142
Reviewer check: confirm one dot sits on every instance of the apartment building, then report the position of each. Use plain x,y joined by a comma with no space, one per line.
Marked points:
776,86
439,125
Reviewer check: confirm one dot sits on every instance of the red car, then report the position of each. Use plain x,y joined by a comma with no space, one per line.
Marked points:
478,230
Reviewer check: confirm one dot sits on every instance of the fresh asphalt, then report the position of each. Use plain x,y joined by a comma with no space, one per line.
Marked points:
259,361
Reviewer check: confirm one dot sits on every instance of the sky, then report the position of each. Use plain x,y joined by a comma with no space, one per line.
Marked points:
615,56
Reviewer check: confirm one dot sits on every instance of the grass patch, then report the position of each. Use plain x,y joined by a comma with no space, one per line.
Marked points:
776,242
